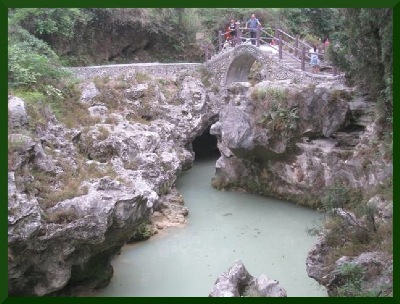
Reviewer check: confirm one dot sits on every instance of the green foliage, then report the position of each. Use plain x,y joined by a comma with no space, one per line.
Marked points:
48,20
279,115
31,62
352,275
143,232
308,21
142,77
363,47
336,196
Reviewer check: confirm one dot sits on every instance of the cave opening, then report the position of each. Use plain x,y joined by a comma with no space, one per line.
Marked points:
205,145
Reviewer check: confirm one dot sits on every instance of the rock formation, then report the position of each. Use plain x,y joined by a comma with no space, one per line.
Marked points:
77,195
290,141
238,282
368,273
314,144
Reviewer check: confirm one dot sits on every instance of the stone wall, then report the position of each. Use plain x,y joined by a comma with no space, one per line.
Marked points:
156,69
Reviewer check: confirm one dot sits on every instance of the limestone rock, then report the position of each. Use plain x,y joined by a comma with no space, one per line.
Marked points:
169,211
237,282
17,116
374,272
316,264
239,88
383,209
121,170
100,111
89,91
268,287
193,93
136,91
293,142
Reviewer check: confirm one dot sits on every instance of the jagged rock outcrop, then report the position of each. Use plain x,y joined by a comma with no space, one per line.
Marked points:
17,116
170,211
292,141
297,142
368,273
238,282
77,195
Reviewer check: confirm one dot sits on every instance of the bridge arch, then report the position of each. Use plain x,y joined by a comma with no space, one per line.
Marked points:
242,60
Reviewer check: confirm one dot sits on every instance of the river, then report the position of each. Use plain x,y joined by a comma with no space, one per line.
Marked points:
268,235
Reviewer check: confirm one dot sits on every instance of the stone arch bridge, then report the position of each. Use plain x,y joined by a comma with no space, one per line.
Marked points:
230,65
234,64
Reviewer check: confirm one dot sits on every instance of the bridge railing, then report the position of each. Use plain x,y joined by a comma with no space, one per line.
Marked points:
282,42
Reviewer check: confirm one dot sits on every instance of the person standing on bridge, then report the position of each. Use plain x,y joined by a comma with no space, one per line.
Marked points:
314,60
232,32
253,23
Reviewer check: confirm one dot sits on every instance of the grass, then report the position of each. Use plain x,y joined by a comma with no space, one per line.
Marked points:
103,133
205,76
366,235
50,188
141,77
170,91
277,111
63,103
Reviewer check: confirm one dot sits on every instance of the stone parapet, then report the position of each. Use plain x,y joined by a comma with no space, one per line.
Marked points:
114,70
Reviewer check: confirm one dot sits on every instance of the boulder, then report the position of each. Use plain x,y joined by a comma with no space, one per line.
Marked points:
374,274
136,91
238,282
89,91
17,116
368,272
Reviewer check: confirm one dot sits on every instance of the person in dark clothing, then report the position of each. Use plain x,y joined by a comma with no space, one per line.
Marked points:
232,32
253,23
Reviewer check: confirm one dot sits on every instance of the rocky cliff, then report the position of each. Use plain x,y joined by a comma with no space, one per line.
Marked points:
317,145
292,141
79,190
77,194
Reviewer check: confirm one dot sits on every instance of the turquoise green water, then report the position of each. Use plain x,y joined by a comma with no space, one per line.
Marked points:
269,236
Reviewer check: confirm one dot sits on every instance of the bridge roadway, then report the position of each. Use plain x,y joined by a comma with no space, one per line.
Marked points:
233,64
230,65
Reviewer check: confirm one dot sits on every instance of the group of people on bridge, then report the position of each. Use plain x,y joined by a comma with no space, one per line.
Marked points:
278,40
251,25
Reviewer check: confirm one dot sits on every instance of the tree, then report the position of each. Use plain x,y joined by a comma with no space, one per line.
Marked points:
41,21
363,47
319,22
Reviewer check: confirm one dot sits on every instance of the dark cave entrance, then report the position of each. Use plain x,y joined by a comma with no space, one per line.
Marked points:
205,146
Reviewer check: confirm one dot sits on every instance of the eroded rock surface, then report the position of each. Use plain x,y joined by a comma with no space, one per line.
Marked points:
298,142
238,282
292,141
370,272
77,195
